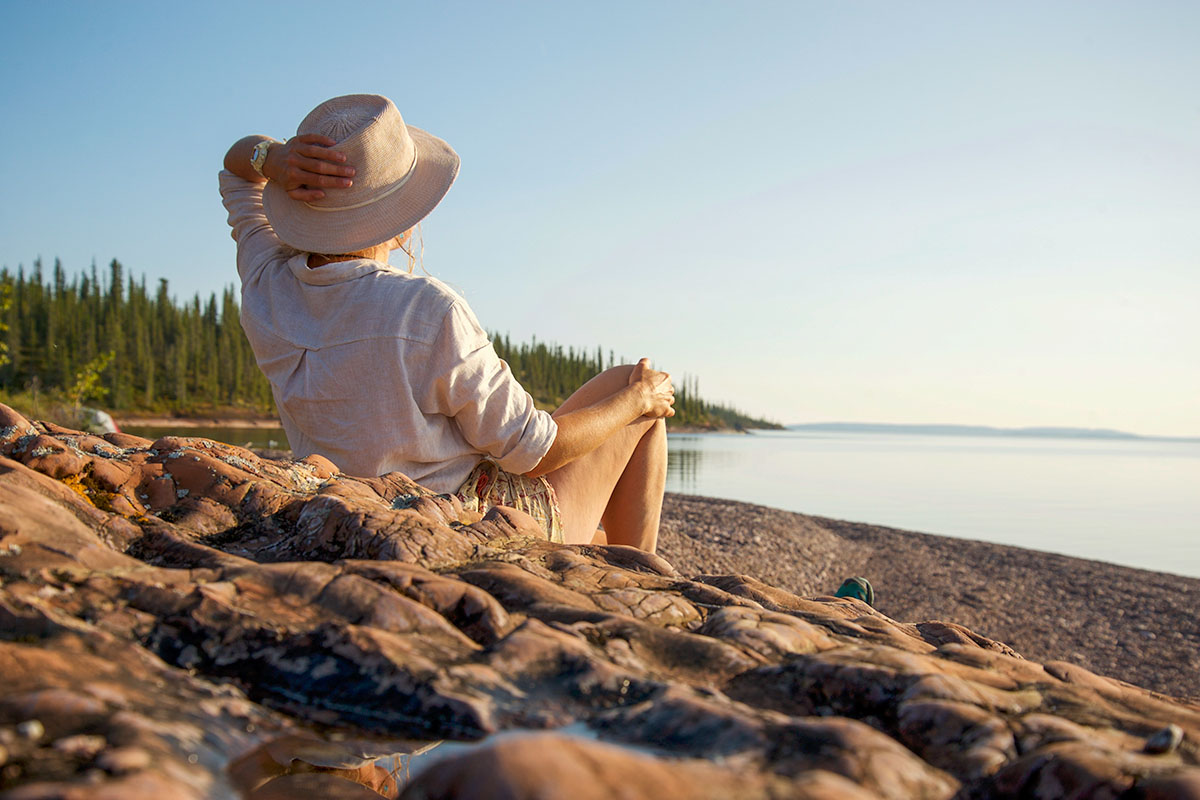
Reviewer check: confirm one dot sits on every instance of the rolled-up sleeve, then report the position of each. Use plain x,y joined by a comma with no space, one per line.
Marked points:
471,384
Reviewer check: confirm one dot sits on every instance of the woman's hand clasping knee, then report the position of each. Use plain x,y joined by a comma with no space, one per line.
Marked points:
657,387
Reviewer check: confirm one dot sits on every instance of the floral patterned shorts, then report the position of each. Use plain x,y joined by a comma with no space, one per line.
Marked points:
488,486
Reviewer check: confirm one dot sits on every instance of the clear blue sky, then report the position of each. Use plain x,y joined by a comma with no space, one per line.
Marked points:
884,211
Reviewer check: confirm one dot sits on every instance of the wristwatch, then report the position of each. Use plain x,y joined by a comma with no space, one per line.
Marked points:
259,156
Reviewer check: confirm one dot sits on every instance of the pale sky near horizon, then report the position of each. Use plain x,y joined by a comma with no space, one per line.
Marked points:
862,211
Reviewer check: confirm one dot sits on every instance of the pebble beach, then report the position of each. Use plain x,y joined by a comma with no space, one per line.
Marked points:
1134,625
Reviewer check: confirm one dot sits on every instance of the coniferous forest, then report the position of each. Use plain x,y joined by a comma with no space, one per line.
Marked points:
103,338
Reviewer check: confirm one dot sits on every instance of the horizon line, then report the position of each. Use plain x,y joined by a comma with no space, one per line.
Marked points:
1046,431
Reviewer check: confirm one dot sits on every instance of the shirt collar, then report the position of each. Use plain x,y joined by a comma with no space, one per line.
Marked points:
337,272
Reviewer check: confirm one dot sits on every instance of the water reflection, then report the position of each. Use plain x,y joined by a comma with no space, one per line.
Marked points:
683,464
693,459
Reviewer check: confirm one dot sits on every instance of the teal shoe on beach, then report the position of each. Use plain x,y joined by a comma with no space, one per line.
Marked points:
858,588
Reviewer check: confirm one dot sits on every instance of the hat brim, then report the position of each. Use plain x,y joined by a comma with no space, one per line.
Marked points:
301,226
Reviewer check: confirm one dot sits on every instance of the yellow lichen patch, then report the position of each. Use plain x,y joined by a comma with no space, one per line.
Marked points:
75,483
81,484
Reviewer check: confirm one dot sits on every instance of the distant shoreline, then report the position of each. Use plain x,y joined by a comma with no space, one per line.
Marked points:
704,429
198,422
983,430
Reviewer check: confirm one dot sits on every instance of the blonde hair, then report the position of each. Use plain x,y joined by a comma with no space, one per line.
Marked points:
416,256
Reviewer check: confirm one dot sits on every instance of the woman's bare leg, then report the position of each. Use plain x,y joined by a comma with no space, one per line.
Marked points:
620,482
635,508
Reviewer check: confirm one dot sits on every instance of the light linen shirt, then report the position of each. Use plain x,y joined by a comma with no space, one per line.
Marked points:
376,369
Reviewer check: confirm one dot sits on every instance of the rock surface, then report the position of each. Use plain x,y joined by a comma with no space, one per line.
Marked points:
182,618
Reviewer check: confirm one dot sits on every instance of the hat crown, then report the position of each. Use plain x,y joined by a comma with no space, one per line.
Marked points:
370,132
401,174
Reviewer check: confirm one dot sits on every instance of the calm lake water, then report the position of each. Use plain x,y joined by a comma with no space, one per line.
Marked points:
1129,502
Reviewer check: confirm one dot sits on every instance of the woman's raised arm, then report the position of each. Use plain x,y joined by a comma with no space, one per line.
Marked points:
303,165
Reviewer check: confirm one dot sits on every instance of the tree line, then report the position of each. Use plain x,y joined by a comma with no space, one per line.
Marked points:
551,373
113,341
104,338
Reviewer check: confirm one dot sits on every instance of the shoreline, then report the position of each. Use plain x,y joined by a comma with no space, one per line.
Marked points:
202,421
198,422
1131,624
702,429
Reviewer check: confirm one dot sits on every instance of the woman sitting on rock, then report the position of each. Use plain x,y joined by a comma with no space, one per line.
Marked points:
380,370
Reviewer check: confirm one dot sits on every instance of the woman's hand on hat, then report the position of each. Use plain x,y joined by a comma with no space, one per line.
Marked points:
656,387
307,164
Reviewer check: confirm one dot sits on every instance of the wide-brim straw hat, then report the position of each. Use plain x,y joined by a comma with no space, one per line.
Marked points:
401,174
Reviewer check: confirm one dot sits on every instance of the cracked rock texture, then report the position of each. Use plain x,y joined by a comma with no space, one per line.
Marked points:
185,619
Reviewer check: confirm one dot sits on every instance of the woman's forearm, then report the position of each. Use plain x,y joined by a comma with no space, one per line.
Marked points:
237,160
648,393
303,166
583,430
